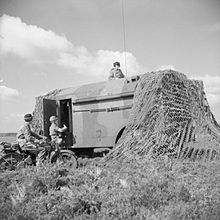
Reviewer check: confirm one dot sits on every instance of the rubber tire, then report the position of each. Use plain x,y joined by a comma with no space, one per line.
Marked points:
12,159
64,156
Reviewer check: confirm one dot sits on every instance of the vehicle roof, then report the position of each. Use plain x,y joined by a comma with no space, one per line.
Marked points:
100,89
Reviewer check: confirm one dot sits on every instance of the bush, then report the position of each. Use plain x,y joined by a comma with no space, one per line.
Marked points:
147,189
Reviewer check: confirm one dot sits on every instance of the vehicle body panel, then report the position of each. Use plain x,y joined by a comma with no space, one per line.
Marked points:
95,113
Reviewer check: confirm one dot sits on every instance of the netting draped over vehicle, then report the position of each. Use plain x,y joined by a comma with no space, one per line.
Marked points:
37,122
170,116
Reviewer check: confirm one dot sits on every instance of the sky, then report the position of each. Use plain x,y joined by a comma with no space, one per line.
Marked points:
50,44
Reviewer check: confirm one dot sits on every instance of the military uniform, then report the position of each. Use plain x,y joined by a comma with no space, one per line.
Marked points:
25,135
116,73
54,133
27,138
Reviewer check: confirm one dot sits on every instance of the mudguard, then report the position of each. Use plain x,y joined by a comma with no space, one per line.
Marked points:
65,153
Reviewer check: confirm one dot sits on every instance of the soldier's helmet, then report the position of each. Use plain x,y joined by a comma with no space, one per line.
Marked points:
116,64
28,117
53,118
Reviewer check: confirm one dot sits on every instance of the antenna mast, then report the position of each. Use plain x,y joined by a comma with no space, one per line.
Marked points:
124,37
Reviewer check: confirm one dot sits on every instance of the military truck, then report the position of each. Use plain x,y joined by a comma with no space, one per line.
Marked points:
95,114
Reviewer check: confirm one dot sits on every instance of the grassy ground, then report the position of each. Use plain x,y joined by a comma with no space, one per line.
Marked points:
10,139
145,189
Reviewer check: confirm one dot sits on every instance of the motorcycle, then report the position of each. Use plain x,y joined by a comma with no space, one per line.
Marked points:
13,156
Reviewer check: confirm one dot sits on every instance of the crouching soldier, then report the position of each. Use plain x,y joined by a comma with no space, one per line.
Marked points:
55,131
27,138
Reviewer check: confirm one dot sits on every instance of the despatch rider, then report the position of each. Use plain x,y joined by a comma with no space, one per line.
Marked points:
55,131
27,138
25,135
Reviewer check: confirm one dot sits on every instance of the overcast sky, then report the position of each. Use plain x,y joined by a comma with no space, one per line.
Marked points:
49,44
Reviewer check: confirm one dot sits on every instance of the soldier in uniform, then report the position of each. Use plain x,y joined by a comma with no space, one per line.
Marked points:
116,72
27,138
25,134
55,131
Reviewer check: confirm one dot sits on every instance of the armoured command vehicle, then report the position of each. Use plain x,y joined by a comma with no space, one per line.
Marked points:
95,114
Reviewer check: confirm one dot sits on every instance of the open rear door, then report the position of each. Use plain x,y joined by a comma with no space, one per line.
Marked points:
66,118
49,109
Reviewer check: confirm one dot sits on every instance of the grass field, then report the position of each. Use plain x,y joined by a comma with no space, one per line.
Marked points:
147,189
8,138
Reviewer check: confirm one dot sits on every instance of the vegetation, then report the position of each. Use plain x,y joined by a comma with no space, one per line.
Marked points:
7,137
148,189
124,186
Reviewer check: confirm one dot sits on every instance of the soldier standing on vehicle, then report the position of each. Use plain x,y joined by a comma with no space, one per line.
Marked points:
116,72
55,131
25,134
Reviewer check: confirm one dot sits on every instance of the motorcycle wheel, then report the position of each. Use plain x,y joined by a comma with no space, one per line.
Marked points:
10,161
65,156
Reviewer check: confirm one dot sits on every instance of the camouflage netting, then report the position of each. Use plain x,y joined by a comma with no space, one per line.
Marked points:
37,123
170,116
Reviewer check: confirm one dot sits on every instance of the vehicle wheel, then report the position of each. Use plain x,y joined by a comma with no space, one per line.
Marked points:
65,156
10,161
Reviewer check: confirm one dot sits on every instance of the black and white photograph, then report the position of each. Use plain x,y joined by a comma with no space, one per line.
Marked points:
110,109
